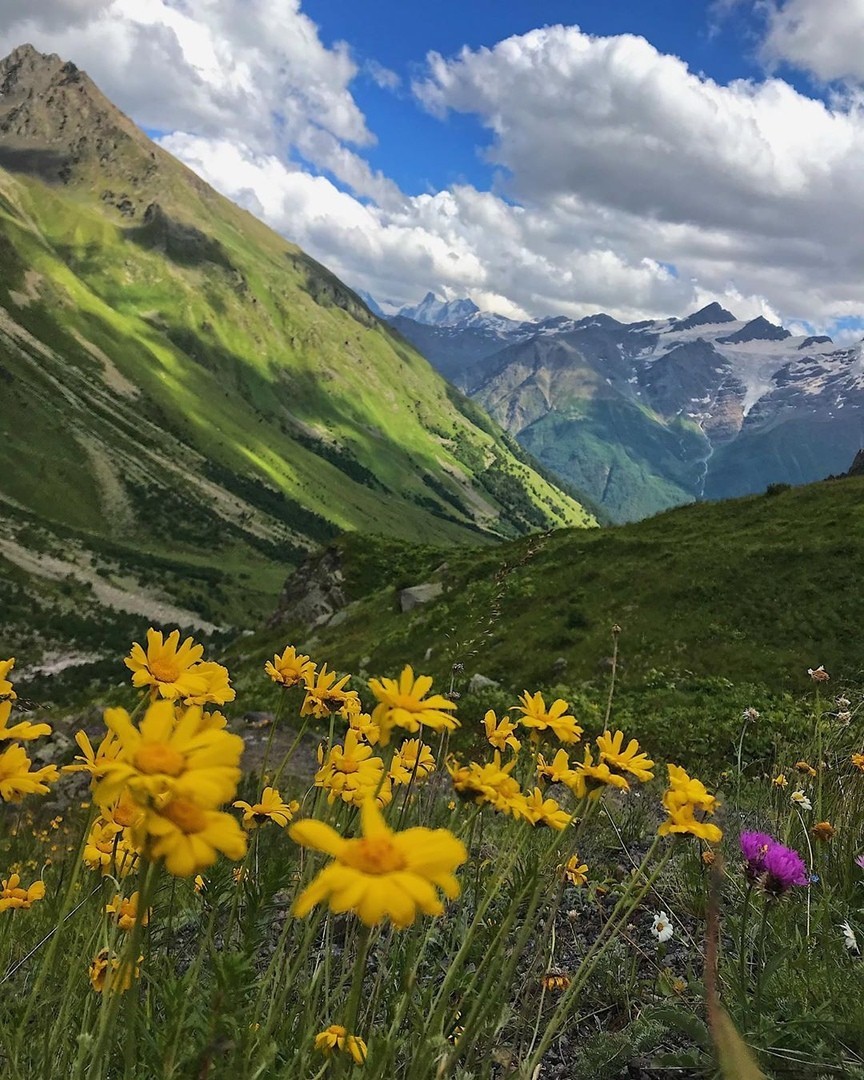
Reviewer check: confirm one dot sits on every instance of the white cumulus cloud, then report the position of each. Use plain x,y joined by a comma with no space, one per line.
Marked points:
625,182
825,37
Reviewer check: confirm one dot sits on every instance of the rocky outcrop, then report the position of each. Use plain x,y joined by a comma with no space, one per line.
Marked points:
313,594
419,594
857,466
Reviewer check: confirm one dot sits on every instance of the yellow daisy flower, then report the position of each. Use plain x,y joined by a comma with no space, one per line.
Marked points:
290,669
403,703
108,972
682,820
167,667
6,690
17,779
90,760
490,783
365,727
405,763
590,779
169,753
337,1038
682,798
217,691
540,811
574,872
626,760
557,771
556,719
110,849
858,761
349,772
500,733
190,837
13,896
213,721
683,789
325,694
25,730
125,911
270,808
381,874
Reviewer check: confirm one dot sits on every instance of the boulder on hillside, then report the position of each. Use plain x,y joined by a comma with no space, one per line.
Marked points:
419,594
481,682
314,593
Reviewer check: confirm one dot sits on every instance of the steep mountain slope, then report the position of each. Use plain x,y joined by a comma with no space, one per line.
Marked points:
647,415
181,385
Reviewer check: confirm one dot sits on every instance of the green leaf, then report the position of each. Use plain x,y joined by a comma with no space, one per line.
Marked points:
685,1022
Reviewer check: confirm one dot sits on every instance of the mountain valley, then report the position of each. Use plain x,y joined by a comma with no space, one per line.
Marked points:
643,416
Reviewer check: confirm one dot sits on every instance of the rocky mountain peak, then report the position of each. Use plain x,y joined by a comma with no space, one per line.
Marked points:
434,312
56,124
709,315
758,329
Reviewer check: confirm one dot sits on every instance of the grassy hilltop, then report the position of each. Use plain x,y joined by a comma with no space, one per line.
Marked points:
721,605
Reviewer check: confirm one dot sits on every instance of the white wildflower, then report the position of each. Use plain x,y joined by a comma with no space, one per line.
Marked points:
800,800
662,928
849,938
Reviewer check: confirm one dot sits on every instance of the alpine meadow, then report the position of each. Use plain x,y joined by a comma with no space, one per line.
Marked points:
468,689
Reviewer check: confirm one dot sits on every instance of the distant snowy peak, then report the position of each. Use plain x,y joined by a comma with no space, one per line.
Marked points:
384,309
710,315
434,312
758,329
816,339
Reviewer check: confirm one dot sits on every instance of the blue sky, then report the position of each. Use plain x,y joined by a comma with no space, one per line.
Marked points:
420,152
640,158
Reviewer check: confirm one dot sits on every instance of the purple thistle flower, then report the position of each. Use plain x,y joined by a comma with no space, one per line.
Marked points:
859,861
775,866
784,868
754,847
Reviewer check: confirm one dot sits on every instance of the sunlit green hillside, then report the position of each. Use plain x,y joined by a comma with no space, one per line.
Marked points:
189,403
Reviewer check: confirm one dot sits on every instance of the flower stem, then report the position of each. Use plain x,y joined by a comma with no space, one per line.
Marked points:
742,951
757,1003
363,935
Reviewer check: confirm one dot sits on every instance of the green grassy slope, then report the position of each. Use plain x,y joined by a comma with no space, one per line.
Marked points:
720,605
188,402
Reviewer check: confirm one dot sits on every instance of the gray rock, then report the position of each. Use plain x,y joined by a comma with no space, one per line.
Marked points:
313,594
481,682
419,594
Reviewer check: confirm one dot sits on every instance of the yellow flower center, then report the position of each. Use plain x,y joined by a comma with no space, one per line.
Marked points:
125,812
347,765
160,758
188,817
375,855
164,670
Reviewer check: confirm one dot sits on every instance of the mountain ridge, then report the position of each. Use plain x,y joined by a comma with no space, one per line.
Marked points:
652,414
184,388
